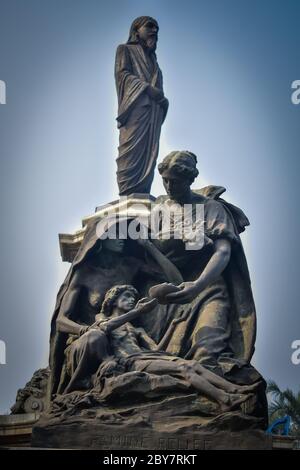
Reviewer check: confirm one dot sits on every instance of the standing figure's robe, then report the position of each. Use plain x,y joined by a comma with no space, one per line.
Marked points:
139,118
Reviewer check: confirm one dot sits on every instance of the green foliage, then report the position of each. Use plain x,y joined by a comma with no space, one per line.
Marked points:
284,403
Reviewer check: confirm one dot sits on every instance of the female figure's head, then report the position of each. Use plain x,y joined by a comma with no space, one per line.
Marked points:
106,253
119,298
178,170
116,245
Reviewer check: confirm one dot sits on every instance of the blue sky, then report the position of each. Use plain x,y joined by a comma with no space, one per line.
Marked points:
228,68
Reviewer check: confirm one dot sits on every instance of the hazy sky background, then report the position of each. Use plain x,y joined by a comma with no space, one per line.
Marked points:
228,68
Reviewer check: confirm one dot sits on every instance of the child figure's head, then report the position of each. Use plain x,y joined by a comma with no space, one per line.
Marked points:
119,298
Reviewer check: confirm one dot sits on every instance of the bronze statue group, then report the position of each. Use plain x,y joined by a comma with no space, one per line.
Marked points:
194,328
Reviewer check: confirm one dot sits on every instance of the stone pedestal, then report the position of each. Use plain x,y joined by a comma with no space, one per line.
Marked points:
130,206
97,436
179,422
15,430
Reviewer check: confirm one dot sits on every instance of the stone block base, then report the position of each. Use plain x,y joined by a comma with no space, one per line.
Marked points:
81,436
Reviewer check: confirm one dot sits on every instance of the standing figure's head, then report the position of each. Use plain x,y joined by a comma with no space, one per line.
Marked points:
121,298
144,30
178,171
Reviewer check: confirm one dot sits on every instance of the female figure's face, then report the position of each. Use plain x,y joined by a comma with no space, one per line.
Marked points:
176,186
125,302
115,245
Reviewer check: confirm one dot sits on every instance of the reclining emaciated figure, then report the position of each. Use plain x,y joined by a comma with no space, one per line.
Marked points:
112,345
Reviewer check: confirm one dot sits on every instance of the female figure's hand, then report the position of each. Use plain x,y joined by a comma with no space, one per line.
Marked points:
161,292
188,291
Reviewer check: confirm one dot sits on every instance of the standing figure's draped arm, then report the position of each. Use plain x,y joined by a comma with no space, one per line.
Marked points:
129,86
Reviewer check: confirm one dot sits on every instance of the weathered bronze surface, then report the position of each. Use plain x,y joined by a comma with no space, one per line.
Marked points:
181,355
152,339
142,107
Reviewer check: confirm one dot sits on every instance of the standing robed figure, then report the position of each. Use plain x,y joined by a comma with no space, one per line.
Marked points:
142,107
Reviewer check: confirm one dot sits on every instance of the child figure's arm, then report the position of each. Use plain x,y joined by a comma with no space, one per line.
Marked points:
143,306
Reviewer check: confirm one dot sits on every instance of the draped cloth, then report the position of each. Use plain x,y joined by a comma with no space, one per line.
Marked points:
139,118
122,273
219,326
130,265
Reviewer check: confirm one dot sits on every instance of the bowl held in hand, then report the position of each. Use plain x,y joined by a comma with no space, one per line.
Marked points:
160,291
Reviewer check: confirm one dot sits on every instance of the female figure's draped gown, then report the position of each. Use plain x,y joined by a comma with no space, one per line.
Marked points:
219,326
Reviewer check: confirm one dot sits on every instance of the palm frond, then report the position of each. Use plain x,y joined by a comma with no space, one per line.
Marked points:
291,398
273,388
284,403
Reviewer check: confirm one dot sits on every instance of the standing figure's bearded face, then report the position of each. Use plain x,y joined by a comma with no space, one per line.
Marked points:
148,35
